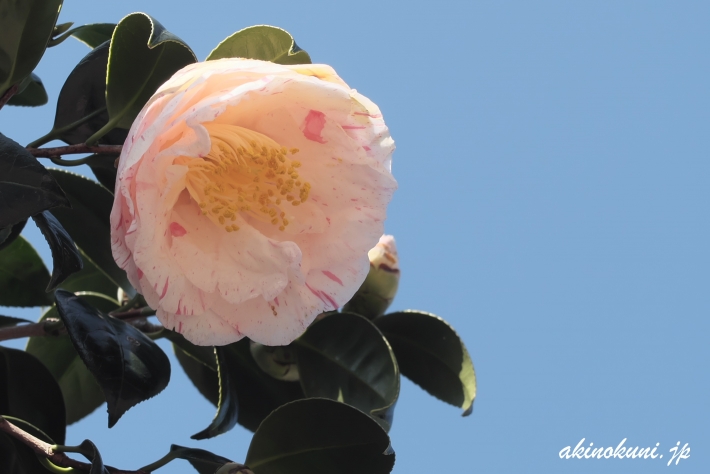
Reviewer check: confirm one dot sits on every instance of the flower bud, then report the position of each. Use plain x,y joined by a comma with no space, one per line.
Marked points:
380,287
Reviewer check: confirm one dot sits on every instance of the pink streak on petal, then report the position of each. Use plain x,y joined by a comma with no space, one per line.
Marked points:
313,126
140,273
165,288
335,305
333,277
180,327
177,230
276,300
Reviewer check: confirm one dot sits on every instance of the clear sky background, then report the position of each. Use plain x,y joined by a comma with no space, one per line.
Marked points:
553,206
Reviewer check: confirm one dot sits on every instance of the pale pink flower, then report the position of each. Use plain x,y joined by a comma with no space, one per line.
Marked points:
248,196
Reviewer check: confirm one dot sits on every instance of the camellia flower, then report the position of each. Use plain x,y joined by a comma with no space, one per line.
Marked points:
380,287
248,195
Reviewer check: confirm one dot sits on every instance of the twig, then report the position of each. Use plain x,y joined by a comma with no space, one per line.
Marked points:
54,327
45,450
57,152
48,327
8,95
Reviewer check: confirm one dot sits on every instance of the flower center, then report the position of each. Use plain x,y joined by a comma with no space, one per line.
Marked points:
247,172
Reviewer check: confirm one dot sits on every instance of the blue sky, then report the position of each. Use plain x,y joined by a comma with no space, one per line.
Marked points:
552,159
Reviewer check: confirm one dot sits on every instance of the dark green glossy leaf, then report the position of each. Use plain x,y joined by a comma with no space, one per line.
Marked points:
344,357
28,391
65,256
203,461
128,365
91,453
26,187
104,168
23,276
143,56
258,394
10,233
82,394
319,436
89,224
15,456
25,28
6,321
267,43
227,406
94,34
432,355
83,94
59,34
31,94
80,390
61,28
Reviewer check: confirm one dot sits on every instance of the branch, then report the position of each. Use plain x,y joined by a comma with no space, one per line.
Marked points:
8,95
45,449
55,327
74,149
48,327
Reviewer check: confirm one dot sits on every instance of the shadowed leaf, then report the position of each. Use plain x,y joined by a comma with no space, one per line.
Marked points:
93,34
25,29
258,394
227,406
26,187
29,392
88,222
127,364
344,357
65,256
10,233
31,93
319,436
432,355
23,276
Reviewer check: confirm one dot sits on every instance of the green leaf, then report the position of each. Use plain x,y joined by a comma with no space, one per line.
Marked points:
28,391
59,34
227,406
319,436
65,256
264,42
143,56
82,394
258,394
80,390
23,276
26,187
25,29
104,168
15,456
432,355
84,94
344,357
89,450
10,233
94,34
203,461
89,223
31,93
128,365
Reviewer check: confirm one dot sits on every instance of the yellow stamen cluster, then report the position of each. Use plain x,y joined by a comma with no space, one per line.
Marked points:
247,172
